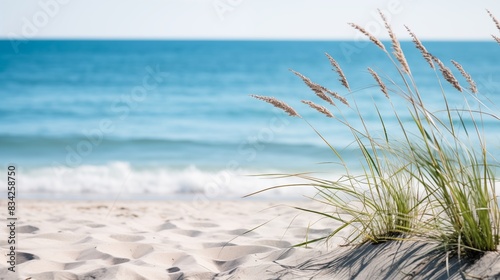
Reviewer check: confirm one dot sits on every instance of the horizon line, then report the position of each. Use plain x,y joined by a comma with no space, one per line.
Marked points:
236,39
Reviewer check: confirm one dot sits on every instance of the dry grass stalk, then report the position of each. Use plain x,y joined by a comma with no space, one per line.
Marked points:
496,38
396,46
278,104
337,96
381,84
318,108
318,89
497,23
448,76
421,48
468,78
336,66
370,36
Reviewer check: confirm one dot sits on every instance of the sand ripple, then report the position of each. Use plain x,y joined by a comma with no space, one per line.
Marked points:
181,240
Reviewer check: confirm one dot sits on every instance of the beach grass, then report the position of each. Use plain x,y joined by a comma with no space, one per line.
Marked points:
431,178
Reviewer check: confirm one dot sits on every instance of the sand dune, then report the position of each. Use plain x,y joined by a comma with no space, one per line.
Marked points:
221,240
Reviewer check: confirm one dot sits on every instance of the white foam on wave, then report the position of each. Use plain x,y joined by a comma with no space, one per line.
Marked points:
122,178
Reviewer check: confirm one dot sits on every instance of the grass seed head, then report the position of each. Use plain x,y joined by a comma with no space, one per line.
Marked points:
372,38
318,89
497,23
278,104
468,78
381,84
427,56
318,108
336,68
448,76
396,46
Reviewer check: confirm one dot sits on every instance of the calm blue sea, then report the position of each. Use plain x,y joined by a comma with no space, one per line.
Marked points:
175,117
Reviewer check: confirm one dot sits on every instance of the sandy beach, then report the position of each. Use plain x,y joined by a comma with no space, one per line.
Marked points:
220,240
249,140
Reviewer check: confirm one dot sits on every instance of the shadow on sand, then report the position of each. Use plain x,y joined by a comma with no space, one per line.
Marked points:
395,260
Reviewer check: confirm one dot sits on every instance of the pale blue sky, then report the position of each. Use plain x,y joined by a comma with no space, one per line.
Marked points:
238,19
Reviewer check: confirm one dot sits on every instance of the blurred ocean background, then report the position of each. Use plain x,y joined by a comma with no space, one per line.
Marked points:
167,118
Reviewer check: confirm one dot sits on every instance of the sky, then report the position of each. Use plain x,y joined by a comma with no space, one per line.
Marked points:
243,19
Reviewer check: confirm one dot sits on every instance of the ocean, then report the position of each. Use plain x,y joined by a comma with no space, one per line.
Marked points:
163,119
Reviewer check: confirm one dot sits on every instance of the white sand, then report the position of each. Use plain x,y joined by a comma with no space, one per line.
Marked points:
175,240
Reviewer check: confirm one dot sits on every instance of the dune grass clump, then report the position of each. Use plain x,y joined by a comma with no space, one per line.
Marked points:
431,177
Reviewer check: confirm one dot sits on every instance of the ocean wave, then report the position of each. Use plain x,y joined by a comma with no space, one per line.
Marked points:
121,178
58,140
74,151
